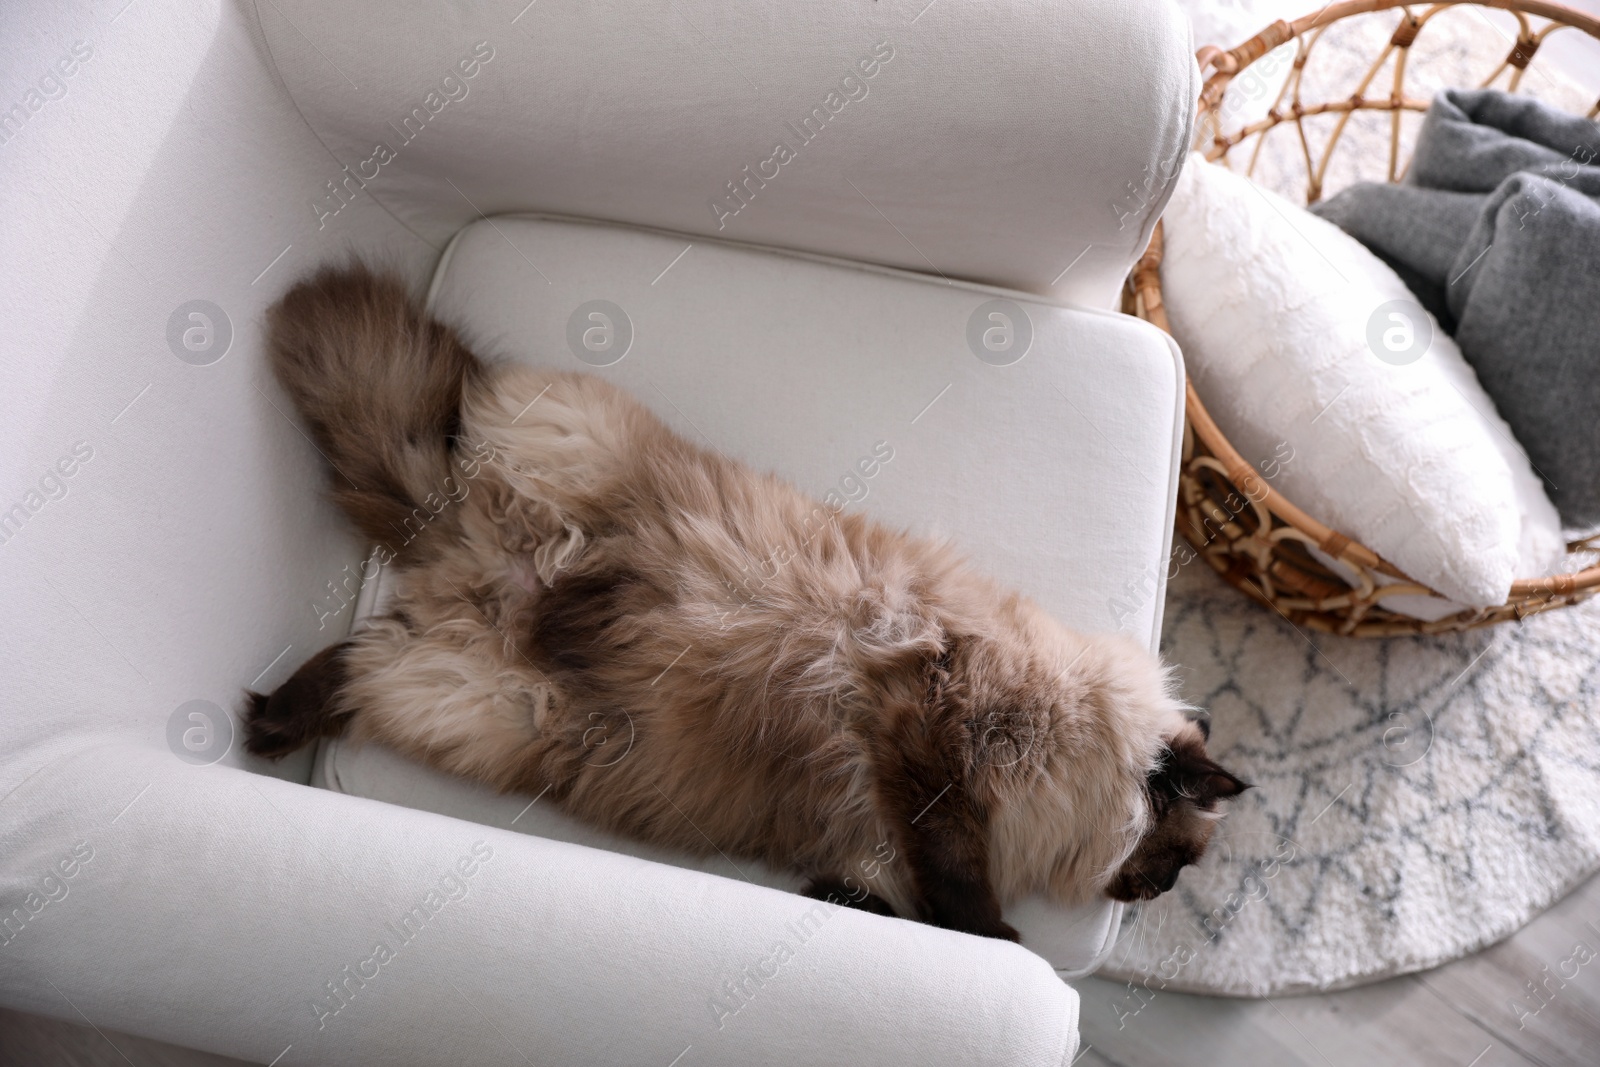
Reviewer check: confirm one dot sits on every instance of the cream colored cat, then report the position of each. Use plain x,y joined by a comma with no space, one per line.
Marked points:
568,565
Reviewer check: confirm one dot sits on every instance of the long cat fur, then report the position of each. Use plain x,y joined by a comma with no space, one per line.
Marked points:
775,681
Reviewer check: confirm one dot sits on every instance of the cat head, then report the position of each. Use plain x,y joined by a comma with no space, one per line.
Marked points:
1092,773
1182,793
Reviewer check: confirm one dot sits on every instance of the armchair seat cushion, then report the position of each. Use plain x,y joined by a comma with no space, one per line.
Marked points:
1041,439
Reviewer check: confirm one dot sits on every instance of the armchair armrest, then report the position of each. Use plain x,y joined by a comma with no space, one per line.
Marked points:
284,924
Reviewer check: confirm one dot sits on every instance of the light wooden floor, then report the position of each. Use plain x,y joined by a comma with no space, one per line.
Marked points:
1458,1015
1464,1013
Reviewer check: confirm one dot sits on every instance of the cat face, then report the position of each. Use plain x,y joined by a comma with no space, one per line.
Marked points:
1182,792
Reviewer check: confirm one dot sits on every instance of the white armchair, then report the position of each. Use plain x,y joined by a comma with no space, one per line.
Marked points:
817,232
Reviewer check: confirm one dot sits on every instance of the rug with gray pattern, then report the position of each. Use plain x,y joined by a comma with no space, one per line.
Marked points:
1415,798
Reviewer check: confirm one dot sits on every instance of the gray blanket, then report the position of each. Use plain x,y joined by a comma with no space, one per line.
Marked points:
1496,229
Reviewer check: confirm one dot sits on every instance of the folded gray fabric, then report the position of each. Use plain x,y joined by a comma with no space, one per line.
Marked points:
1497,230
1418,232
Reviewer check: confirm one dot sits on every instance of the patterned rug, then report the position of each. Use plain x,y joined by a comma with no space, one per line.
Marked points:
1415,799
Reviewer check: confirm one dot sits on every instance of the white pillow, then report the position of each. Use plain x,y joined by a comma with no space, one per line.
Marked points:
1281,317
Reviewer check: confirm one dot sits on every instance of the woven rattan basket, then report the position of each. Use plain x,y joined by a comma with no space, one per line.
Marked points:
1247,531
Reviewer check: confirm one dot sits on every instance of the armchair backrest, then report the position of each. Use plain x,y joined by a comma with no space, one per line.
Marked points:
1019,144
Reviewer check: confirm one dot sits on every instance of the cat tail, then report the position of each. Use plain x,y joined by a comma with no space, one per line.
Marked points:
379,385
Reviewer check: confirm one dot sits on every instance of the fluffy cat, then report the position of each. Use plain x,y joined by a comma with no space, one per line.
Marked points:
568,567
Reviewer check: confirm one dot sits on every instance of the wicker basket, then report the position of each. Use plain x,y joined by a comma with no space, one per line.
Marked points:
1247,531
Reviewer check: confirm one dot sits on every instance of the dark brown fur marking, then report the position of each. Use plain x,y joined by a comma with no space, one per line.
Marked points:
300,710
575,615
925,776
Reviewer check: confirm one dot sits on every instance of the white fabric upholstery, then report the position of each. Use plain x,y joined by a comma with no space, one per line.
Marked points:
184,559
1004,142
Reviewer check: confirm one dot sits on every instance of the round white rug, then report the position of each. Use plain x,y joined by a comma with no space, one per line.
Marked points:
1415,799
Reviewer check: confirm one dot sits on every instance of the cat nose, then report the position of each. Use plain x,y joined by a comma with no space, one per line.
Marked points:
1171,879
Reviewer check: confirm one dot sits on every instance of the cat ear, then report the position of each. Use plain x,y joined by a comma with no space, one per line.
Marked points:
1211,782
1186,771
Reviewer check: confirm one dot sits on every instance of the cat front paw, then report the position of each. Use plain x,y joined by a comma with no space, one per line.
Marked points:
996,928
